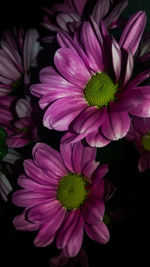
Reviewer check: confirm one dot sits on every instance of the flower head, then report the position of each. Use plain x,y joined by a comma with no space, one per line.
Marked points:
69,15
63,194
139,134
16,118
18,53
92,94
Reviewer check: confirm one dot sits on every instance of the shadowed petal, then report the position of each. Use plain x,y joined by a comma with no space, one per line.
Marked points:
133,31
93,211
22,224
98,232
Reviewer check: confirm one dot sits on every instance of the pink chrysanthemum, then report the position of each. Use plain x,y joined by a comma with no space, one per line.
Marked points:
18,53
92,93
19,124
63,194
68,16
139,134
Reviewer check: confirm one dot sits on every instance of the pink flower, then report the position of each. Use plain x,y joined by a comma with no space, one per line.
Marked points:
91,94
63,195
17,54
139,134
19,125
71,13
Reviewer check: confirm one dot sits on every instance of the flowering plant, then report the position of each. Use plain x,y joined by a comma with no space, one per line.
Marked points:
75,133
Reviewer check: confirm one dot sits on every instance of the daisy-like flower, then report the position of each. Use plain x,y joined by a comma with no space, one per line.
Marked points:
19,125
68,16
91,94
139,134
18,53
63,195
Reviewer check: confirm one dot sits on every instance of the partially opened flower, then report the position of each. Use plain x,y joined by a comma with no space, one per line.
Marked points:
68,16
18,53
16,118
63,195
139,134
92,94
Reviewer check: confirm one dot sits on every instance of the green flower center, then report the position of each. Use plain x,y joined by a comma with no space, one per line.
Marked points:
146,141
100,90
3,145
71,191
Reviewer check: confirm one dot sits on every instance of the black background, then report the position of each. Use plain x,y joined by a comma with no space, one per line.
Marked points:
130,234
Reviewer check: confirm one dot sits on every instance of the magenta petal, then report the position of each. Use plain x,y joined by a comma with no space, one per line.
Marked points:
100,10
38,175
68,227
48,230
141,125
71,66
88,120
70,138
127,100
116,58
129,68
92,47
116,126
99,173
26,198
66,153
81,155
98,232
93,211
64,18
29,184
22,224
96,139
142,110
74,244
89,168
133,31
49,160
138,79
62,112
45,211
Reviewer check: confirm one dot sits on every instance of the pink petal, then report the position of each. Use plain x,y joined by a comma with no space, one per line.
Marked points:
62,112
93,211
98,232
89,168
116,126
129,68
92,47
22,224
49,160
100,172
38,175
100,10
133,31
71,66
88,120
81,155
96,139
116,58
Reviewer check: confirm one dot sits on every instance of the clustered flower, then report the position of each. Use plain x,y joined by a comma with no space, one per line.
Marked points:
92,92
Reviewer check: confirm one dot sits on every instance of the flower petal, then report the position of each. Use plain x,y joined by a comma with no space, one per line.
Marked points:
71,66
98,232
133,31
116,126
62,112
22,224
49,160
116,58
99,173
96,139
93,211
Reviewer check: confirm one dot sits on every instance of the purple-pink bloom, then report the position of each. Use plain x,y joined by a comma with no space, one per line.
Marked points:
69,15
63,195
139,135
18,53
90,93
16,118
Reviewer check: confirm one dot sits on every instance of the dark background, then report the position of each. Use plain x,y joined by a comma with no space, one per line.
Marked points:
130,206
